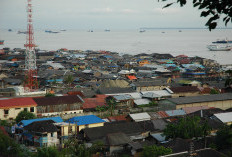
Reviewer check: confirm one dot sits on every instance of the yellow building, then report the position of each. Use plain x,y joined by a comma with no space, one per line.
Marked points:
222,101
10,108
89,121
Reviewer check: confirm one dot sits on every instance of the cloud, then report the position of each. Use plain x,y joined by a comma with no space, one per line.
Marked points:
102,10
166,10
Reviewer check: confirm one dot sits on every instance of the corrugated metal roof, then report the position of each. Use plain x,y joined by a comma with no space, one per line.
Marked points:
142,101
17,102
202,98
189,110
151,95
159,137
122,97
175,113
29,121
137,117
83,120
224,117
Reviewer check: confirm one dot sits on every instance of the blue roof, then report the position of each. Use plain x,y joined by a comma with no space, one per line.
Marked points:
57,80
29,121
83,120
176,113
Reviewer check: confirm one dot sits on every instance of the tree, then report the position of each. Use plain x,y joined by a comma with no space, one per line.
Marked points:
48,152
69,80
187,128
101,109
111,103
49,95
155,151
228,81
214,91
24,115
213,9
224,138
8,147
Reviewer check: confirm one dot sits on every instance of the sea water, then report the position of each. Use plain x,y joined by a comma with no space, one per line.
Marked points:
191,42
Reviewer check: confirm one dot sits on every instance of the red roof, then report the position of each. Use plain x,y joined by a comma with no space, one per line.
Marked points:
17,102
76,93
181,56
117,118
131,77
163,114
91,103
4,130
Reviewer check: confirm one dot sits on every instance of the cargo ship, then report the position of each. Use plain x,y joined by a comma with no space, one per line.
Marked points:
1,42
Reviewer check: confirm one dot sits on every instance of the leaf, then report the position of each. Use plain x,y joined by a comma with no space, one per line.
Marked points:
167,5
227,21
212,25
196,4
205,13
215,17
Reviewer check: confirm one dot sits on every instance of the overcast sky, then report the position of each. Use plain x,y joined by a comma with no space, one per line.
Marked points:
98,14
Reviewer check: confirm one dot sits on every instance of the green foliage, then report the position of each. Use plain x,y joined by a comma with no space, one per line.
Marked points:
69,80
24,115
224,138
49,95
155,151
214,91
111,103
213,9
48,152
3,123
187,128
8,147
97,147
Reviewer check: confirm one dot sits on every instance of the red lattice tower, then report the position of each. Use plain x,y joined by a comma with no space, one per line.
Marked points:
31,82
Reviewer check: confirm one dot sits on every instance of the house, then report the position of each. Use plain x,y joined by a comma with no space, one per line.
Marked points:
184,91
131,129
47,106
124,101
137,117
89,121
90,104
65,130
41,134
141,86
222,101
224,117
9,108
117,141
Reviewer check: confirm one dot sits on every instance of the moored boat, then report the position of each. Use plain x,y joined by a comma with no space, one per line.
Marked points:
219,47
224,41
1,42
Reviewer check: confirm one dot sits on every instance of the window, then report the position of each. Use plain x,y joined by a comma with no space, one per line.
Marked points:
52,134
17,108
25,109
45,144
31,109
6,111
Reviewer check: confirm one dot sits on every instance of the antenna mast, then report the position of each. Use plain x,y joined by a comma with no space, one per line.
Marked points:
31,82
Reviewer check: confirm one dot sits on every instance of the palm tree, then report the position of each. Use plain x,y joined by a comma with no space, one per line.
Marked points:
69,80
111,103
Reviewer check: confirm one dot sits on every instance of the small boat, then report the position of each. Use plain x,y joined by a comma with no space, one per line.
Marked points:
9,30
1,42
90,30
22,32
219,47
141,31
49,31
63,30
180,30
224,41
107,30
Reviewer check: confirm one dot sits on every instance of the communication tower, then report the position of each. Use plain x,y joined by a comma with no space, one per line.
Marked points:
30,83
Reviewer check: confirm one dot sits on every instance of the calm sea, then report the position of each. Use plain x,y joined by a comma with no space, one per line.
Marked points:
191,42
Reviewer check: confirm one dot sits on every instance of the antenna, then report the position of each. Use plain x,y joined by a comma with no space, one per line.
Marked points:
30,83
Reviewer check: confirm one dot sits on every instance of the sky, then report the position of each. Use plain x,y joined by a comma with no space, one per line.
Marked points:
99,14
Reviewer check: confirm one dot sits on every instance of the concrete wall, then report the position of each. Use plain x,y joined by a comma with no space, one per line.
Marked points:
186,94
217,104
90,126
13,112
